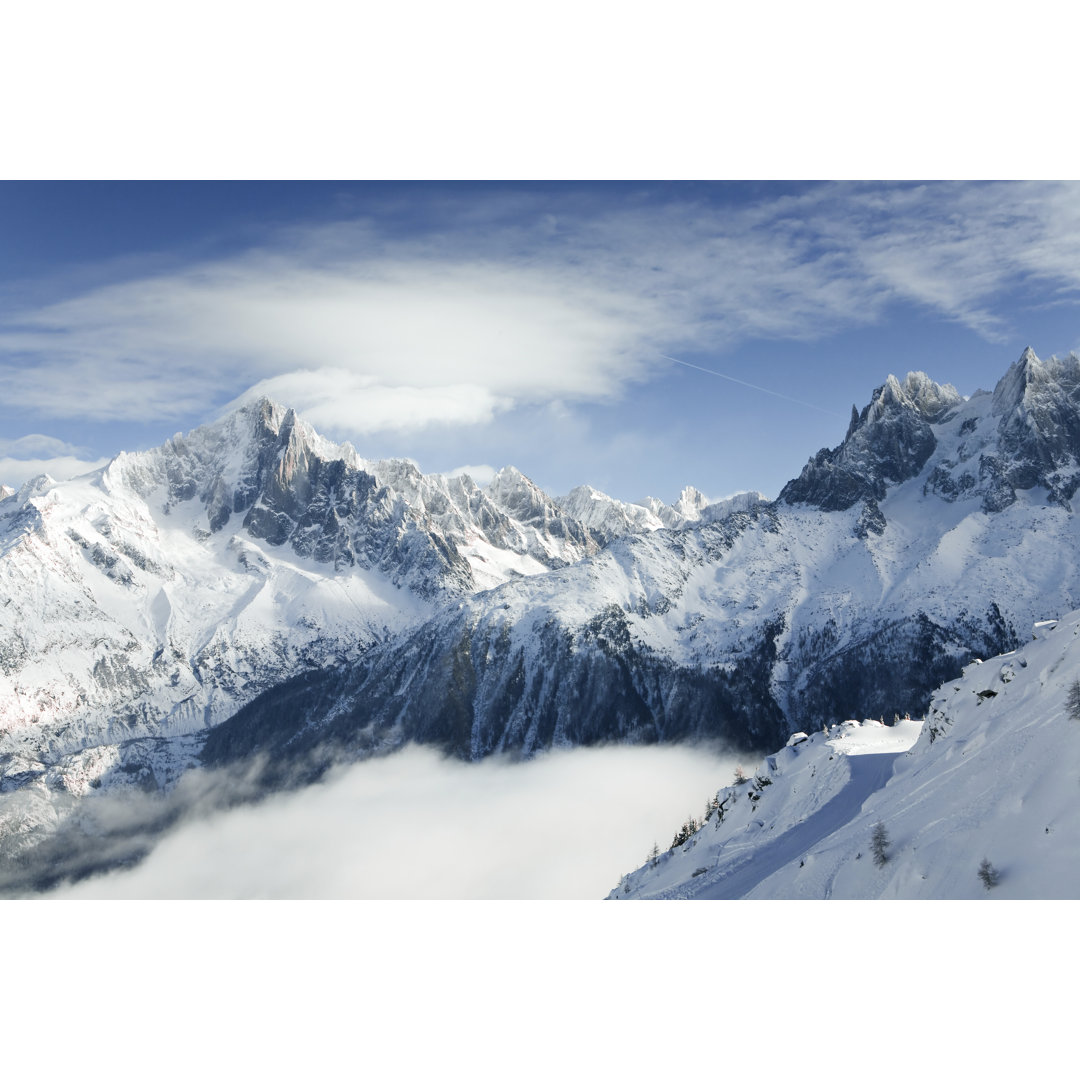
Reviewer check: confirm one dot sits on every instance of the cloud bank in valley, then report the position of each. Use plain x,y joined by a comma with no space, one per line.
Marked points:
417,826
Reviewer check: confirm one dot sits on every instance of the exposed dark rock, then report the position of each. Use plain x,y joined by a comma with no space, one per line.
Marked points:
477,691
888,442
871,520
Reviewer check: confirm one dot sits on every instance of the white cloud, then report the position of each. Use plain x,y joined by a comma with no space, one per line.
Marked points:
518,299
435,329
16,471
481,474
38,446
31,455
337,400
417,826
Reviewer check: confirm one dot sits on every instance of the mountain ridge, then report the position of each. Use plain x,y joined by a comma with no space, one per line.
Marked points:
862,588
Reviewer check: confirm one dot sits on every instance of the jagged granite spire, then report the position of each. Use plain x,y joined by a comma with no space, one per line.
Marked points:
854,422
888,442
1038,441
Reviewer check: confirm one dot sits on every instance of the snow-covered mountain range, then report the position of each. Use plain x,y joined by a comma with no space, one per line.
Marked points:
252,589
937,531
155,596
145,603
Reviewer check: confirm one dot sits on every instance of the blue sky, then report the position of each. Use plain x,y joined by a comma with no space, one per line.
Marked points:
485,324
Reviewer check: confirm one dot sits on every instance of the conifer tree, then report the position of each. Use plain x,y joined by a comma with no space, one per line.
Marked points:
989,874
1072,702
879,844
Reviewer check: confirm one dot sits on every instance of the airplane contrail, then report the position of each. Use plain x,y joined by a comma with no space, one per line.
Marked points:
752,386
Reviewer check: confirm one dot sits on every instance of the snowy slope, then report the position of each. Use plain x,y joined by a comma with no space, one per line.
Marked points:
991,774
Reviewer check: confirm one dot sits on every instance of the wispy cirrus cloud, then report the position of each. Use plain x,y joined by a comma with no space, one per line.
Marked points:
958,249
520,298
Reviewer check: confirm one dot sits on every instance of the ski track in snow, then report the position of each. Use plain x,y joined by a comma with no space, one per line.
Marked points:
869,772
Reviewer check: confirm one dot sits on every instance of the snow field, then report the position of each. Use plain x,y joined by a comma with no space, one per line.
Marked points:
992,773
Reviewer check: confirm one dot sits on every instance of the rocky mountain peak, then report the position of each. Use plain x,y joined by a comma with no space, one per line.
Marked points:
35,486
1029,382
606,517
690,503
511,483
1038,433
931,400
1012,387
512,491
887,443
266,412
918,392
